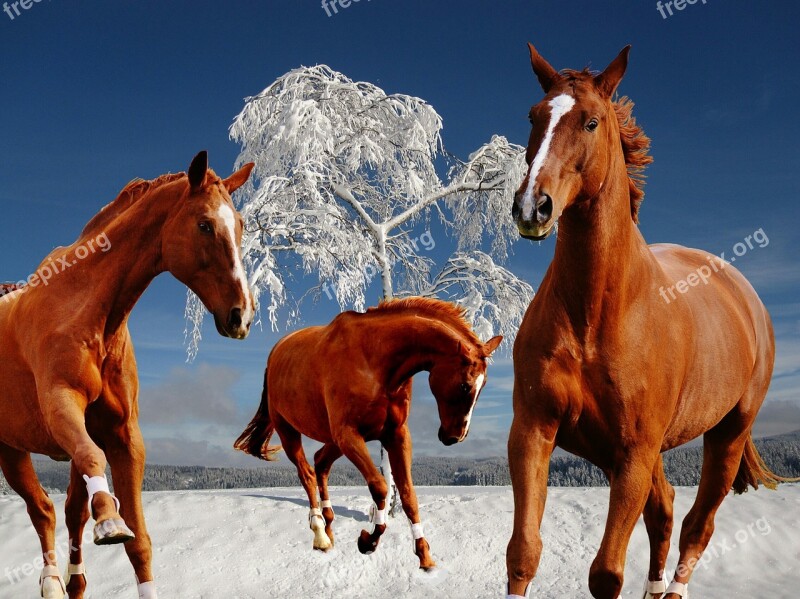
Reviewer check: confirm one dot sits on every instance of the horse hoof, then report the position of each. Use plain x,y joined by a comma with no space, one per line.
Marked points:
323,545
53,588
112,532
51,583
365,543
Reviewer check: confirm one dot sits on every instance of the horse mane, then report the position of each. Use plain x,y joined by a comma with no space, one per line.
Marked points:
6,288
635,144
450,313
129,195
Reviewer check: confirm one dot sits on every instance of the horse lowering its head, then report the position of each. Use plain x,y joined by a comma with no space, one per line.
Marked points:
350,382
456,380
576,131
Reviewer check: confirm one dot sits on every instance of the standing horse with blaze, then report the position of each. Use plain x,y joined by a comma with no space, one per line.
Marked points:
603,366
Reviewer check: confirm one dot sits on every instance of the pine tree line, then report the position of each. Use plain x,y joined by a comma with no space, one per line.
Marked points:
682,466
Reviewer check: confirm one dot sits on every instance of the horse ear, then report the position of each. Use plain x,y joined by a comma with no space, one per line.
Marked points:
608,81
491,345
239,178
197,170
546,74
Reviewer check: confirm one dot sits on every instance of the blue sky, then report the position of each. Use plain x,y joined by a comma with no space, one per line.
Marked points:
96,93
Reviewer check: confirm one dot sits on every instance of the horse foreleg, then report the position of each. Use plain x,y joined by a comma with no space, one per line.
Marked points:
323,460
399,450
658,521
64,410
355,449
21,477
126,453
630,488
293,446
530,445
77,514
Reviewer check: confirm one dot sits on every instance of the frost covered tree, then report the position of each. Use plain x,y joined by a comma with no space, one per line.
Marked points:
345,177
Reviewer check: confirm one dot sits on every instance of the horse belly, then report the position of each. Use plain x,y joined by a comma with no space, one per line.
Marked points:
21,423
730,338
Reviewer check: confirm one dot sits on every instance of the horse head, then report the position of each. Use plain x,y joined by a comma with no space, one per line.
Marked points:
573,146
202,246
456,382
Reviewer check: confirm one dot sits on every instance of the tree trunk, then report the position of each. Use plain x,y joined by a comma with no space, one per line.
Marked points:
386,280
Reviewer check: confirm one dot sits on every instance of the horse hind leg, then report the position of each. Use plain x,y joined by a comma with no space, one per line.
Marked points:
723,447
658,519
323,460
77,515
21,477
293,446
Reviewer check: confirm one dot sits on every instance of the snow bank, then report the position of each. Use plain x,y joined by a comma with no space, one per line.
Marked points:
256,544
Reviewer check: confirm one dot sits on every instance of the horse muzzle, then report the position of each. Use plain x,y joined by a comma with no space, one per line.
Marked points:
235,326
447,439
535,223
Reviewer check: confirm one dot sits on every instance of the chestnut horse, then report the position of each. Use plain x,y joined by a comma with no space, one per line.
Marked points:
350,382
606,367
68,381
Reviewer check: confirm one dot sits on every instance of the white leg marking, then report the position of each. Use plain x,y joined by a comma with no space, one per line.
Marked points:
147,590
317,524
376,517
559,106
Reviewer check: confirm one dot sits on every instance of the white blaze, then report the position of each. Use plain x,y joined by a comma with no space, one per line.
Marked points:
559,106
225,212
478,386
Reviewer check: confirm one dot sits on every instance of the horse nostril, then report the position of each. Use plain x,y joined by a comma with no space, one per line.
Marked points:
235,318
515,209
544,209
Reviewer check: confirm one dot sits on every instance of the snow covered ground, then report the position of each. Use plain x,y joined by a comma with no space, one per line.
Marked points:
256,544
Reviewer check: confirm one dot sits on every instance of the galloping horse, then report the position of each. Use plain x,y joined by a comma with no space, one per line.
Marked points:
68,381
604,366
350,382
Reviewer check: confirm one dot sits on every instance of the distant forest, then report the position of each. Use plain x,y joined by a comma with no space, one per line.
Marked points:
781,453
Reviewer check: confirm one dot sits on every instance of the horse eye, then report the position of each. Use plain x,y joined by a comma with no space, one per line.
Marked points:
464,387
204,226
592,125
530,120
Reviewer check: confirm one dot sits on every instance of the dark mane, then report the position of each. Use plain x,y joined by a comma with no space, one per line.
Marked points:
452,314
126,198
635,144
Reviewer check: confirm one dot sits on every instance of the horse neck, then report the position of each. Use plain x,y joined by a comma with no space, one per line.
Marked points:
118,277
413,343
600,257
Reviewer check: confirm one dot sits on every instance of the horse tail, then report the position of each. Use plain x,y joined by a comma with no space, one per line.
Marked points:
754,471
255,438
